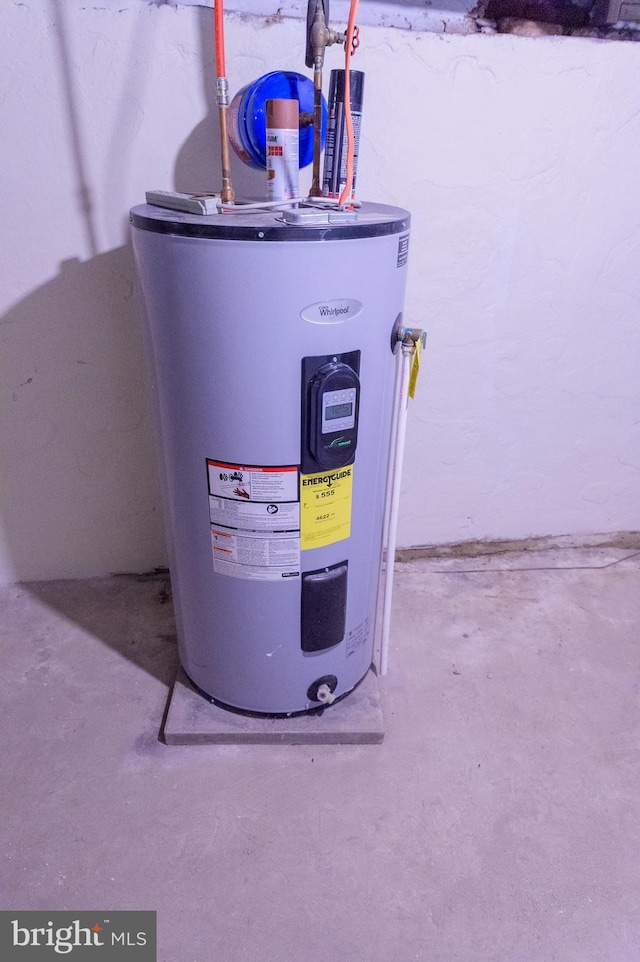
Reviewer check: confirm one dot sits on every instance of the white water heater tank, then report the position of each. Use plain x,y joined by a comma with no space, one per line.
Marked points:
273,351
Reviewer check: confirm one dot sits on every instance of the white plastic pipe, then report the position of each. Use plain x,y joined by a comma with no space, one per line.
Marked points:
391,465
392,510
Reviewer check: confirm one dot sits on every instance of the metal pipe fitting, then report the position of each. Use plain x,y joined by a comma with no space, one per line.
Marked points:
412,335
222,92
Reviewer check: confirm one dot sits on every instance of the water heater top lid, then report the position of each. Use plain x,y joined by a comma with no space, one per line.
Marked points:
373,220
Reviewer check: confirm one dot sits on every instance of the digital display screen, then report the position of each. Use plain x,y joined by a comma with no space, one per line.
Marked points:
334,411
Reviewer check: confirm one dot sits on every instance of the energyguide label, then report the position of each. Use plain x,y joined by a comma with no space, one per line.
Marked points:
325,507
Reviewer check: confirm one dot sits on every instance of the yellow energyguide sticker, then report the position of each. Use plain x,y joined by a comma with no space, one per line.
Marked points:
325,507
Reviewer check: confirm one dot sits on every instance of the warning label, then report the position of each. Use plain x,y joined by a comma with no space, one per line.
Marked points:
265,557
252,483
254,514
262,516
325,507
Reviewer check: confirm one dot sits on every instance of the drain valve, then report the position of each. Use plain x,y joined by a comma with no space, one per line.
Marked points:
322,689
325,695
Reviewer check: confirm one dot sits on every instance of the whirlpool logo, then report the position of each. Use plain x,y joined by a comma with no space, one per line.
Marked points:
332,312
105,936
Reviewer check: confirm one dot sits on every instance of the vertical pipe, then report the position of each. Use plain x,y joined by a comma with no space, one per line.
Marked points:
395,476
348,51
222,99
392,447
316,189
317,37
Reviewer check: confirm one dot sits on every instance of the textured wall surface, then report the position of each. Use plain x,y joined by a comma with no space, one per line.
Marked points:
517,159
438,15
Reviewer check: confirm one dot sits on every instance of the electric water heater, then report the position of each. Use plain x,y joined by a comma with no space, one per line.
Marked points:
273,337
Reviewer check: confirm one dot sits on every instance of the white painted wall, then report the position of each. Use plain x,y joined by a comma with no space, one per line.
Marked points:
518,160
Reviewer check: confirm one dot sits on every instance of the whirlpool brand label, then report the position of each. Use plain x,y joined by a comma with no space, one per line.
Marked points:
331,312
79,936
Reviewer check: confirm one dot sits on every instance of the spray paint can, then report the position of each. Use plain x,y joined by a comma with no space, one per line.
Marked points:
335,152
282,149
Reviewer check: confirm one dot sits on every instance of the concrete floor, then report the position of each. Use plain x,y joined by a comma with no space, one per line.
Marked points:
499,820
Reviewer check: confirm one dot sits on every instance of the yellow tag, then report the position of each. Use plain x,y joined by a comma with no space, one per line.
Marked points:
415,369
325,507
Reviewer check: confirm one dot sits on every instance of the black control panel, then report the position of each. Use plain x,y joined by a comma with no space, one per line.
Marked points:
330,405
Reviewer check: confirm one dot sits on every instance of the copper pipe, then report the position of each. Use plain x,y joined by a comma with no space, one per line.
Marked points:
222,99
227,193
316,189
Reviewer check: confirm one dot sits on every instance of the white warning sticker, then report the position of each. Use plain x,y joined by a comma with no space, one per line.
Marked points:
263,516
254,514
251,483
